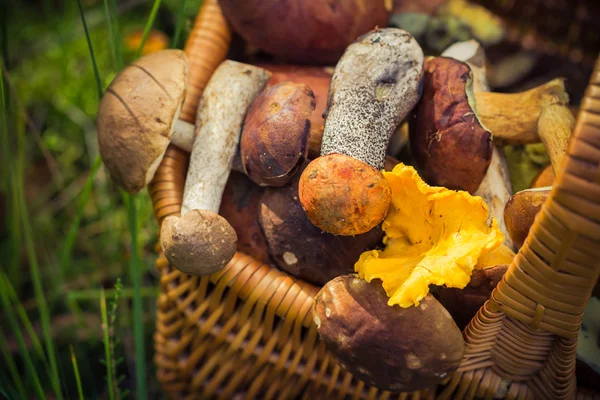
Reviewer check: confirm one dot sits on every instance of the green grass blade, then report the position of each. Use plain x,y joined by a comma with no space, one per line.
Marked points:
69,243
39,293
117,35
111,36
12,322
148,26
12,220
107,353
12,367
4,28
136,279
179,24
76,373
91,48
20,310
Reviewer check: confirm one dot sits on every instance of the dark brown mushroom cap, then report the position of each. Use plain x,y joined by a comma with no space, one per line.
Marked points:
199,243
274,141
449,143
305,31
464,303
392,348
137,114
300,248
520,212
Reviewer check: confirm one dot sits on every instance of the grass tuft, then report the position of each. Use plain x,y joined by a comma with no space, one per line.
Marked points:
9,312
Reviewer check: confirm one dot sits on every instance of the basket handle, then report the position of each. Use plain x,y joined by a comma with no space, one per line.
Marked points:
551,279
206,48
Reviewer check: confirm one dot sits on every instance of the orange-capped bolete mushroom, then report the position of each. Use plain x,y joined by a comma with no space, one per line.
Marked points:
375,85
450,144
139,116
201,242
389,347
240,207
521,210
305,31
300,248
274,141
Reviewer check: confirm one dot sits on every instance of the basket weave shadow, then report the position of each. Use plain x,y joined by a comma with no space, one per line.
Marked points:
247,331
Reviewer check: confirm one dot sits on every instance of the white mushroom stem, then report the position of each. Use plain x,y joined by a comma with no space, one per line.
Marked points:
495,188
221,111
183,135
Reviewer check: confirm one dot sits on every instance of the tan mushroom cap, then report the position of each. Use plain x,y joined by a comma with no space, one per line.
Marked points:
180,237
520,212
137,115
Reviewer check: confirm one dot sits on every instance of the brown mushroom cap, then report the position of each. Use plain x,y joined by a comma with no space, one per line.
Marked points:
520,212
306,31
390,347
353,208
180,237
240,207
318,79
274,141
464,303
300,248
449,143
137,115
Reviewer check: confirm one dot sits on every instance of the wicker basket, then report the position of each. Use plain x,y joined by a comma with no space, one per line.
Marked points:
247,331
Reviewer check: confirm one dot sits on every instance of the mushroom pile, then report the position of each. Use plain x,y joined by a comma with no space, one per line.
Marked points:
293,161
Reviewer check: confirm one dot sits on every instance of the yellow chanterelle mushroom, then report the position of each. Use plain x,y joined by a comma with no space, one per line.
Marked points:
433,235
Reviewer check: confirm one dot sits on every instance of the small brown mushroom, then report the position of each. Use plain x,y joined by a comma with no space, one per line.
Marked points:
300,248
389,347
521,210
545,177
240,207
201,242
274,141
464,303
449,142
374,86
306,31
139,116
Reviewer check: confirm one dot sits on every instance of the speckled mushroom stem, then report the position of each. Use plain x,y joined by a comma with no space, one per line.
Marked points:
495,188
374,86
221,112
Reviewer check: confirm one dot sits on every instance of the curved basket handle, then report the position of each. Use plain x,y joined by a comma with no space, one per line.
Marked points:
552,277
206,48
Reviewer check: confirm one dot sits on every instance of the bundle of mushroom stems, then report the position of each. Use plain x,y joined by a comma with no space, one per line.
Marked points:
291,165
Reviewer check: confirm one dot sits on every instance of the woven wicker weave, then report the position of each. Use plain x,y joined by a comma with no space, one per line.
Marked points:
247,331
